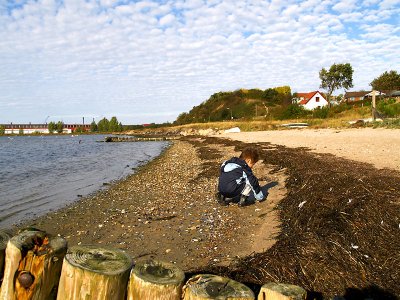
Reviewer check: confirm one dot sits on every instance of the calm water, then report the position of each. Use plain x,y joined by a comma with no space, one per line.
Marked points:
41,173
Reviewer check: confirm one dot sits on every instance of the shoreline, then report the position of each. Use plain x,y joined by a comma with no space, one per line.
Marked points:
182,223
303,234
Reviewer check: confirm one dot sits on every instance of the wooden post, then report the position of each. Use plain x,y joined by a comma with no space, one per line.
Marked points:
373,105
155,280
281,291
92,272
32,266
207,286
4,238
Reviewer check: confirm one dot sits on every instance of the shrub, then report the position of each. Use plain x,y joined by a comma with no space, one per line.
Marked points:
321,112
293,111
389,108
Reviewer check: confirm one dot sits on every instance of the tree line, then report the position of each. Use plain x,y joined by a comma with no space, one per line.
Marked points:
104,125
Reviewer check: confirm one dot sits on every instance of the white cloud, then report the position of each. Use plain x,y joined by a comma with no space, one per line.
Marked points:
167,20
345,6
135,58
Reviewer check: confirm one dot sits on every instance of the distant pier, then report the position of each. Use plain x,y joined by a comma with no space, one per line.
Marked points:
118,139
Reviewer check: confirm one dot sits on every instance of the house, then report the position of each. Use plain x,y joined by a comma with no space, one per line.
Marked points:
39,128
310,100
360,96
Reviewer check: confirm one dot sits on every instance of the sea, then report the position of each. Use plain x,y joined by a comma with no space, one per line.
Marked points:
39,174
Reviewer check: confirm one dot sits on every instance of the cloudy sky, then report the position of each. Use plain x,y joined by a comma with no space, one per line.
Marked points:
148,61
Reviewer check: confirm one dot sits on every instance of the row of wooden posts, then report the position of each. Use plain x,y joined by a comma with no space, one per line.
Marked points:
35,265
115,139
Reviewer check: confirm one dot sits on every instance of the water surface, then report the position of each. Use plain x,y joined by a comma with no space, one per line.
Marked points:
42,173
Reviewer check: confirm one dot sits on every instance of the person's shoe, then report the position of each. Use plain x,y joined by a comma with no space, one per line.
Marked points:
221,199
242,201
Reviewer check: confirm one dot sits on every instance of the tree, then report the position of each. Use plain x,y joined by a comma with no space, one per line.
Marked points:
103,125
52,127
388,82
59,127
120,127
2,130
113,125
338,76
93,126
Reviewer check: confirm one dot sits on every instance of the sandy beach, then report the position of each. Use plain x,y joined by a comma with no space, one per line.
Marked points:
380,147
329,224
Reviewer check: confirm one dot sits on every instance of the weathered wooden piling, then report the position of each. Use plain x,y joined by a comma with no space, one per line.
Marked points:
207,286
155,280
34,261
32,266
93,272
281,291
4,238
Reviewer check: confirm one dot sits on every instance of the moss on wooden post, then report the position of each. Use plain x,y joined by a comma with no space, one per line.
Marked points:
207,286
93,272
155,280
281,291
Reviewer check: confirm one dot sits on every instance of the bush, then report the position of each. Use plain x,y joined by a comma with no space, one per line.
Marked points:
321,112
292,111
389,108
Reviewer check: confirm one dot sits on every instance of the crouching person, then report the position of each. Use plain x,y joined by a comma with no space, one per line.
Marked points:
237,183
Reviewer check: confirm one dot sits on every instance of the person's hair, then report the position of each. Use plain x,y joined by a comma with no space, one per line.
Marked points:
250,153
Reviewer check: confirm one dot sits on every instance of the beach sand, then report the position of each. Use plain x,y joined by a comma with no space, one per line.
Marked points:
380,147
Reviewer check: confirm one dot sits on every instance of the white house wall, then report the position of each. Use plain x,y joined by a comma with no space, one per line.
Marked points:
313,104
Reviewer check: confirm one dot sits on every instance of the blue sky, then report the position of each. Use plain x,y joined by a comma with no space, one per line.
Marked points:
148,61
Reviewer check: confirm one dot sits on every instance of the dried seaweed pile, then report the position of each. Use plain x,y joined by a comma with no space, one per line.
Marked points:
340,230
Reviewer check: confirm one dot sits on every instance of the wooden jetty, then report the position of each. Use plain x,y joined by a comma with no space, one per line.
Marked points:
117,139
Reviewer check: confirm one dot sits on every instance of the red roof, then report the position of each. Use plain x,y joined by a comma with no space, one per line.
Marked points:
306,96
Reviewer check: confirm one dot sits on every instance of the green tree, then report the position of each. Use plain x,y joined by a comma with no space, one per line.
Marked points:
387,82
52,127
113,125
2,130
93,126
103,125
21,131
120,127
338,76
59,127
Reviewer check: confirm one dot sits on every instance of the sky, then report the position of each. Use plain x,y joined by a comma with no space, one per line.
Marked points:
148,61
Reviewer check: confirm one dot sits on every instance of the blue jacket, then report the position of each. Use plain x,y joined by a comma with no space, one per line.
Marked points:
235,173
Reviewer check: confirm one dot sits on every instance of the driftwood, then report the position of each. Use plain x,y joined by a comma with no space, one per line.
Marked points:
207,286
281,291
155,280
32,266
93,272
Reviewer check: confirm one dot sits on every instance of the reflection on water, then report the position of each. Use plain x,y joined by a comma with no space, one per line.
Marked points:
40,173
